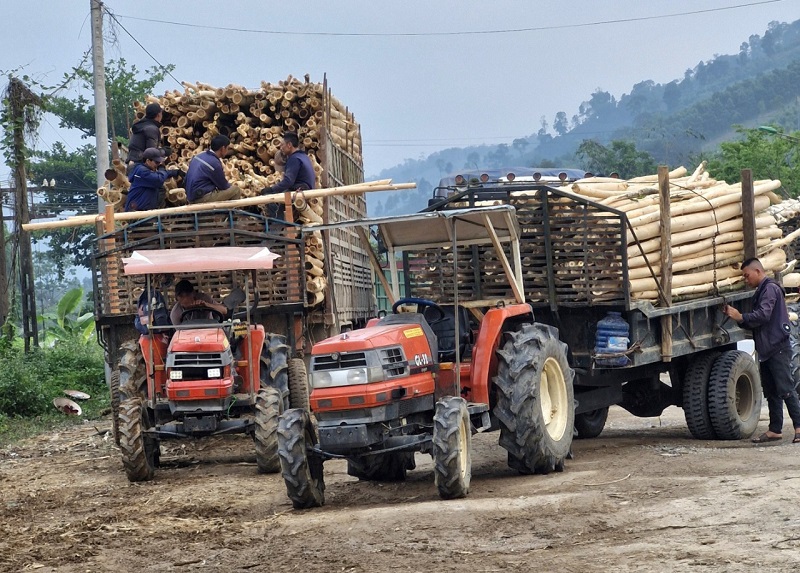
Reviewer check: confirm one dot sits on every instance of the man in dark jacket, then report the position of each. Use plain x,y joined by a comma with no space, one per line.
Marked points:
147,180
205,180
769,322
145,133
298,172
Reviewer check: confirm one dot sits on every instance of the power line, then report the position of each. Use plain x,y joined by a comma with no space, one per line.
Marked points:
458,33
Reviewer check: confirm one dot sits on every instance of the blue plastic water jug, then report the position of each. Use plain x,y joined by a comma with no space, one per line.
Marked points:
612,337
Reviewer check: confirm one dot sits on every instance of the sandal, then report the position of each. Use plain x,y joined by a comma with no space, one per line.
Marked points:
764,438
796,439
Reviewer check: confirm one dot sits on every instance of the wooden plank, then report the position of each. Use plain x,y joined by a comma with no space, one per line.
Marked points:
666,260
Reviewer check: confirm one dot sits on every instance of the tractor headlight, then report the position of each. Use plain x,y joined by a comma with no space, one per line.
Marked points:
214,373
176,374
357,376
321,379
346,377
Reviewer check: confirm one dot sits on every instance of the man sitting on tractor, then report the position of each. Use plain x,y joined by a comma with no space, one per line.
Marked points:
187,298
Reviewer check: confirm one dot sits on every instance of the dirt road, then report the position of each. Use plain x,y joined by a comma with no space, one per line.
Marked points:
642,497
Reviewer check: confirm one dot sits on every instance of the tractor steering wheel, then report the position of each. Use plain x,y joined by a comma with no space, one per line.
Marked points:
421,302
215,314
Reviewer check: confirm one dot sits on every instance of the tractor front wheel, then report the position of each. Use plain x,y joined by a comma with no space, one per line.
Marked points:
298,384
535,399
265,436
274,371
382,467
139,453
301,470
452,443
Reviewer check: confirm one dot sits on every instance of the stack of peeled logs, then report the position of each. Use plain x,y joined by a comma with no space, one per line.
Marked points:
255,120
707,240
309,212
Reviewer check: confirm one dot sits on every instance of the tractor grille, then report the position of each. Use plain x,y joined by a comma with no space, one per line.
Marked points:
393,361
339,361
195,365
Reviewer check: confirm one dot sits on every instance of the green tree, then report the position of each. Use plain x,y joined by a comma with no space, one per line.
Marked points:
620,156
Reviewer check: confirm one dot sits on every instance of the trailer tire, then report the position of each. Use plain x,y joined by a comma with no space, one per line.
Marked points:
734,395
794,342
301,471
274,370
535,399
452,447
113,386
382,467
139,453
591,424
265,435
132,371
298,384
695,396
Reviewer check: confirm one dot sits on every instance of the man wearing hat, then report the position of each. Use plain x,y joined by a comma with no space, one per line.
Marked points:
147,181
145,133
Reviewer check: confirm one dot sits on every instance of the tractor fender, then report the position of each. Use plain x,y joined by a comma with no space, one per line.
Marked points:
484,351
156,374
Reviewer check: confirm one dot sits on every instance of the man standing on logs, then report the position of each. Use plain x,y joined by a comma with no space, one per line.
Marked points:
147,182
769,322
145,133
298,173
205,180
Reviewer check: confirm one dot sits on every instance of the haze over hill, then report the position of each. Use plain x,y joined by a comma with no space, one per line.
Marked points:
678,122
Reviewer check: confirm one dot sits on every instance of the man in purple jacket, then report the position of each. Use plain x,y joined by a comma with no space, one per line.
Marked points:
147,182
205,180
769,322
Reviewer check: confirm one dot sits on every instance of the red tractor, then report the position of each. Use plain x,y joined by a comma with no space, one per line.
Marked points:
209,375
425,381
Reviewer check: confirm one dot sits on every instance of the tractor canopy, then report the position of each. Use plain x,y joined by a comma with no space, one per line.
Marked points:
201,259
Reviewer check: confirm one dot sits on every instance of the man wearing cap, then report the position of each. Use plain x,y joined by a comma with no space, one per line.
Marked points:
147,180
205,180
145,133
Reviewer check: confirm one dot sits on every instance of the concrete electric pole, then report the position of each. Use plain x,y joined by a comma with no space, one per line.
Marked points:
100,110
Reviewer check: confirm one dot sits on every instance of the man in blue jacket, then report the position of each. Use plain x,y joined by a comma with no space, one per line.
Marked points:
205,180
147,182
769,322
298,174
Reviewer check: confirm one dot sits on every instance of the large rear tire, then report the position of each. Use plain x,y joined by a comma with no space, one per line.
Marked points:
298,384
274,371
139,453
734,395
452,444
301,471
132,371
695,396
591,424
113,386
794,341
265,436
535,399
382,467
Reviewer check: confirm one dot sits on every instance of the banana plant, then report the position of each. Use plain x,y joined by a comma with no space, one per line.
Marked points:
64,324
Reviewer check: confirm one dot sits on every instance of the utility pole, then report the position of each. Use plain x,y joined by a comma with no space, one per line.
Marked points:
100,108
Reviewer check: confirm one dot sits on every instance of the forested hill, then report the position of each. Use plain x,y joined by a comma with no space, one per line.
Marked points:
674,122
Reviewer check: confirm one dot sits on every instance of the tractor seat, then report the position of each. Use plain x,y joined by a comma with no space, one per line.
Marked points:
445,330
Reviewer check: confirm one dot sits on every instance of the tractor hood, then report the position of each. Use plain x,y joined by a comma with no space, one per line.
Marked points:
199,340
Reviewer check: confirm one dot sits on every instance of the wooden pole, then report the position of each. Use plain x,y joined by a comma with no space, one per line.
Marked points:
666,261
748,214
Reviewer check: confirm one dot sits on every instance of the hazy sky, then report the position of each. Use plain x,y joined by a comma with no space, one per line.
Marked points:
419,75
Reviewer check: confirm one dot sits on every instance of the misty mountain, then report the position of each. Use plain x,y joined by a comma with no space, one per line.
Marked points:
674,122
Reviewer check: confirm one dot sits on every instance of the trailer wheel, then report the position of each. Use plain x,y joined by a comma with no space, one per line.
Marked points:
265,436
591,424
113,386
794,341
734,395
274,370
132,371
695,396
302,471
535,399
452,444
139,453
381,467
298,384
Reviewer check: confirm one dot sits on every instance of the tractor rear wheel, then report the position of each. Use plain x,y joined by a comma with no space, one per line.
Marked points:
794,341
382,467
132,371
452,444
139,453
275,366
265,436
301,470
695,396
591,424
298,384
113,385
734,395
535,399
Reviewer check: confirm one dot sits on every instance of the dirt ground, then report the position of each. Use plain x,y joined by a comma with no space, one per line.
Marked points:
643,496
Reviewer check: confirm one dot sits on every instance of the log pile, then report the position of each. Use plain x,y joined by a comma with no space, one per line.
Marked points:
255,120
706,225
